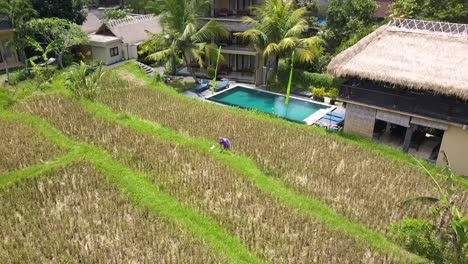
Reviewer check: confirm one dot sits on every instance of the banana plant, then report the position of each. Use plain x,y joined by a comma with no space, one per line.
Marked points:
43,51
448,216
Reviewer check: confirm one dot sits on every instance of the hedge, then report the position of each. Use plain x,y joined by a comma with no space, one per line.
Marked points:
304,80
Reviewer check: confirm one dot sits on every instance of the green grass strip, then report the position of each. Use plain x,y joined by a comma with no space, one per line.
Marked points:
143,192
359,141
40,169
276,188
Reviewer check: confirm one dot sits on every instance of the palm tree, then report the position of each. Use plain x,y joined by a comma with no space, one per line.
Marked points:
181,36
16,11
279,29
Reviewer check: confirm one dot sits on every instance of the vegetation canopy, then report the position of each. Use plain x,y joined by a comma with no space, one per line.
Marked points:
181,36
63,33
279,29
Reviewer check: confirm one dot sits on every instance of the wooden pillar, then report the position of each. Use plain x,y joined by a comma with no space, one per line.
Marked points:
409,134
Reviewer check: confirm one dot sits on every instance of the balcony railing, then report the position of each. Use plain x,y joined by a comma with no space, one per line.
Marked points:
236,47
417,103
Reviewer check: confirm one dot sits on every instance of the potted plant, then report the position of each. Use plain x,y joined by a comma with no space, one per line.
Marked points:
332,94
318,94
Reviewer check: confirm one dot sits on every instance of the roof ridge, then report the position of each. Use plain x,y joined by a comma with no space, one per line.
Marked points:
414,25
128,20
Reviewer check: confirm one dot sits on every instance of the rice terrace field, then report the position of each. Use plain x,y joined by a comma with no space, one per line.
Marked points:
132,177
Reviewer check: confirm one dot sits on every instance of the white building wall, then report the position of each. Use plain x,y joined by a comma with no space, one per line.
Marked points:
132,52
117,58
103,54
99,54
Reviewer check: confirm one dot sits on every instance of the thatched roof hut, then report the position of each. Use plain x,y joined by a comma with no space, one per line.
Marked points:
133,29
431,56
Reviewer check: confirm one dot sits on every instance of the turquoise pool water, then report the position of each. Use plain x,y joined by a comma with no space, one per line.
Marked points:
297,110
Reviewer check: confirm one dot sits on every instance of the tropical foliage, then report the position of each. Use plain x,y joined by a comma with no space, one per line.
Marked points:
63,33
111,14
42,75
72,10
16,11
279,29
84,81
455,11
346,19
443,238
181,36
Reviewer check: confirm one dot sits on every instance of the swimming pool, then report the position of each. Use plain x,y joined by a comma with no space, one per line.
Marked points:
298,110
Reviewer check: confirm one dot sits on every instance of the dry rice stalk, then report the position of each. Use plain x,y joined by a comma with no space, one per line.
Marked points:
270,229
21,146
74,215
359,184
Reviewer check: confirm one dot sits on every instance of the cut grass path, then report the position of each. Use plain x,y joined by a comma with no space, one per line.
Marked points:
137,186
248,168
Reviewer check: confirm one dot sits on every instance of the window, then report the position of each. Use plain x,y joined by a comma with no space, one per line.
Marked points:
114,51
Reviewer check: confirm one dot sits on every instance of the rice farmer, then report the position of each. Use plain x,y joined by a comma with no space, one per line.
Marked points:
224,143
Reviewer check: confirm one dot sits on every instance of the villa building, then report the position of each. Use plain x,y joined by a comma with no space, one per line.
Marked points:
117,40
241,61
409,80
9,56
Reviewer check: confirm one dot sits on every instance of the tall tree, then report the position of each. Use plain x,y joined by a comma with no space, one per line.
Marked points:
64,33
346,18
181,37
279,30
140,6
455,11
72,10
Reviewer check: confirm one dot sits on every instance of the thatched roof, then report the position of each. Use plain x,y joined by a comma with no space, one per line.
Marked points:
91,24
411,53
132,29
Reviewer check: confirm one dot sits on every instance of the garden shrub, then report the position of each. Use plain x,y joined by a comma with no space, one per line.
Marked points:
158,77
303,80
21,75
333,93
417,236
83,81
318,92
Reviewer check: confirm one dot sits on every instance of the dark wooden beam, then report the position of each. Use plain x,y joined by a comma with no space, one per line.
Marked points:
409,134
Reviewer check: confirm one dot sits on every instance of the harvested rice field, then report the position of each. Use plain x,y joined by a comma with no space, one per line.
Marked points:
75,215
357,183
21,146
272,231
135,176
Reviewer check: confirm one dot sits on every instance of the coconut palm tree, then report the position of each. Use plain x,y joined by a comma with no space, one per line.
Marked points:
279,29
181,36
